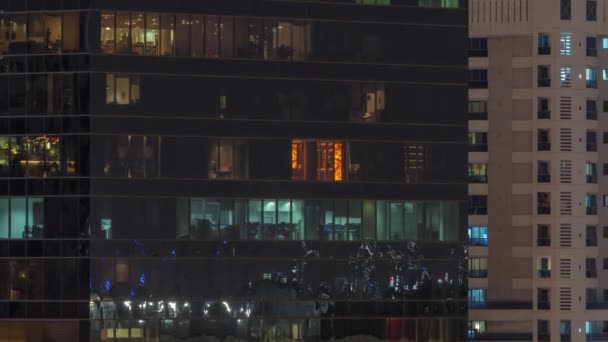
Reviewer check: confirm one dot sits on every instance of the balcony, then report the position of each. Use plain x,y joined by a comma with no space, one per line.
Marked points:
591,84
544,83
544,114
591,242
478,210
591,147
478,148
500,305
478,84
478,52
543,242
544,210
544,273
544,146
591,210
592,115
478,242
599,336
543,305
478,273
565,338
544,50
591,274
478,116
591,52
500,337
477,178
591,179
544,178
544,337
597,305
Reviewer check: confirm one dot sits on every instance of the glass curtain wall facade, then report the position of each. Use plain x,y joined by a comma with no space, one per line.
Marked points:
195,170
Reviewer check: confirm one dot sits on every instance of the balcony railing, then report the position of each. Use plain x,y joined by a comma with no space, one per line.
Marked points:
544,82
478,210
543,242
544,210
500,305
478,115
544,50
591,147
500,337
478,84
544,273
591,273
591,179
544,114
478,52
591,84
478,242
477,178
544,337
591,52
591,242
544,178
544,146
592,115
597,305
591,210
543,305
478,148
478,273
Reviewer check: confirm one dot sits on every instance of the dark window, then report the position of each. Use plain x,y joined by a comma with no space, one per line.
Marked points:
478,78
605,135
591,10
544,140
565,325
544,44
543,328
605,201
478,267
591,141
478,110
544,171
605,106
478,141
543,202
565,10
590,268
544,76
478,205
605,263
543,235
478,47
544,108
543,299
605,169
605,232
591,172
591,46
591,236
591,204
591,109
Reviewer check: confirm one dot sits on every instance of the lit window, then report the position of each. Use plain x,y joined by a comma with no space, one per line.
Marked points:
476,328
565,44
122,89
328,164
478,236
477,295
543,267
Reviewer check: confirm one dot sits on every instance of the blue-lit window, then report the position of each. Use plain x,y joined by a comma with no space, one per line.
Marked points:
477,295
478,236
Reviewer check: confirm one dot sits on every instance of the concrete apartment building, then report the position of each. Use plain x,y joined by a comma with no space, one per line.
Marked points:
538,168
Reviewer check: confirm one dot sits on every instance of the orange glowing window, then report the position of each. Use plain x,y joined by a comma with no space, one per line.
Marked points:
338,162
294,156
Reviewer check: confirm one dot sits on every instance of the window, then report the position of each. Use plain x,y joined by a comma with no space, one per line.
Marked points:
591,236
565,41
478,78
478,205
565,329
591,109
591,204
591,78
565,76
605,169
122,89
478,295
478,236
543,235
131,156
478,110
544,171
543,203
543,301
438,3
605,137
565,10
543,267
605,263
544,108
478,141
544,44
591,10
591,46
227,159
591,172
605,106
543,140
476,328
478,267
374,2
21,217
544,76
320,160
544,333
478,47
478,173
604,42
591,141
605,232
590,295
590,268
605,295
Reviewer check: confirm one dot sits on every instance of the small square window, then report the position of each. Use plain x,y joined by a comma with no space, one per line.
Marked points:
605,106
605,137
605,201
606,263
605,232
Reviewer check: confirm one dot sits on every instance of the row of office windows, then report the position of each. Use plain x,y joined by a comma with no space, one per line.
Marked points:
212,36
478,267
203,219
132,156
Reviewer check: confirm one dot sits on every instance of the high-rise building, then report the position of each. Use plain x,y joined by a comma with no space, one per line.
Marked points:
257,169
538,229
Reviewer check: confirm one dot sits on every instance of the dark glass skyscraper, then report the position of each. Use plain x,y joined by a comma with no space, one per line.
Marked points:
257,169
